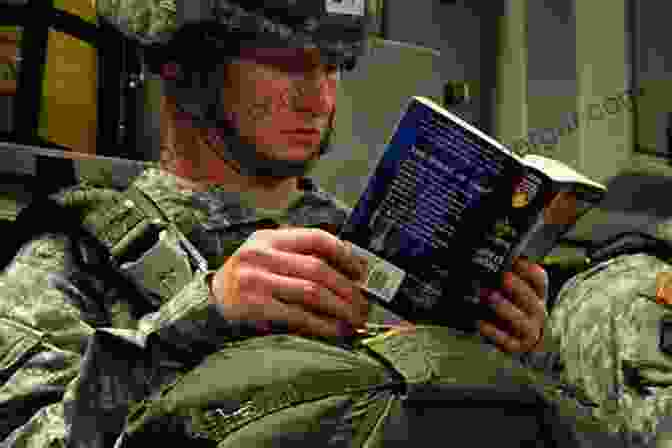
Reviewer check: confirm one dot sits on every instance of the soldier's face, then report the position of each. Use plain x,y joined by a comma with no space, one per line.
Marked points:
281,100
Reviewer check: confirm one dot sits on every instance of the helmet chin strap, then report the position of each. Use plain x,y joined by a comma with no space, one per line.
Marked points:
230,147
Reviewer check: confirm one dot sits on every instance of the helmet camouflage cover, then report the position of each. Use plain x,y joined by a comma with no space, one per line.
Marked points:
338,31
170,29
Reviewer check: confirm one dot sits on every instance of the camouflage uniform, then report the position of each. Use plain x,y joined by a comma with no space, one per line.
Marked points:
58,291
608,326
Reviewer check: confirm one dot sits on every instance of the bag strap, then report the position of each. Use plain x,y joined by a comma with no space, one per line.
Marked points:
152,211
132,228
630,243
426,354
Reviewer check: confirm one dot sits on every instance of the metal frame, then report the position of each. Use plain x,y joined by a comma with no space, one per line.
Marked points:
632,27
116,101
116,54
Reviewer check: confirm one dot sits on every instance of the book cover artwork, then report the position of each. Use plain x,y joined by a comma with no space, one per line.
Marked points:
445,210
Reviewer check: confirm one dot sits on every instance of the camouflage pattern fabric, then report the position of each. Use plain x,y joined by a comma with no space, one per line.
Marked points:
608,327
60,288
148,21
156,21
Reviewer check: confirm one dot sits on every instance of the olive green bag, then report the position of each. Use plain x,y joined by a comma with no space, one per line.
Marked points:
427,385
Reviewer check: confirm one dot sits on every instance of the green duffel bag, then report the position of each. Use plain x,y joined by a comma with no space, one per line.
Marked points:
431,386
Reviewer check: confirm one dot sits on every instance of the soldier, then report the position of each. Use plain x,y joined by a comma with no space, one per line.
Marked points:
212,245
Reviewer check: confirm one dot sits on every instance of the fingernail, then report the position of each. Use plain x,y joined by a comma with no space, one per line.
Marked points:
484,293
213,137
540,269
169,71
263,327
345,329
496,297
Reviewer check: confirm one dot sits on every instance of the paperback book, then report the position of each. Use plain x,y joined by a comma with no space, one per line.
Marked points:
447,209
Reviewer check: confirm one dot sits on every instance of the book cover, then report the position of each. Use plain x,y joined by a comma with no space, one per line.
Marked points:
444,212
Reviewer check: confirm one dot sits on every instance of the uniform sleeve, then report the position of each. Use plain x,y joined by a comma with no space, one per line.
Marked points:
61,354
189,325
42,336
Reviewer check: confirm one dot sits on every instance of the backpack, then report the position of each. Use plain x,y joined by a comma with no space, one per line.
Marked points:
561,269
614,325
426,385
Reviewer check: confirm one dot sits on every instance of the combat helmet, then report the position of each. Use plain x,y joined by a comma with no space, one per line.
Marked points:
169,30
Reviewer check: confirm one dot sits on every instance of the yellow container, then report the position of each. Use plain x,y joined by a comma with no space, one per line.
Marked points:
69,111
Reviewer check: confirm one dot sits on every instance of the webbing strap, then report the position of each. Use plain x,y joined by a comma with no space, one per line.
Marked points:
121,220
118,222
111,221
147,205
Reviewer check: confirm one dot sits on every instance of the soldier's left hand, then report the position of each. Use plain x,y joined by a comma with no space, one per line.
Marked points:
520,308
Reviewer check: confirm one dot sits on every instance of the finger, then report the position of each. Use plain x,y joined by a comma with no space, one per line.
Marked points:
308,268
313,325
312,297
533,273
521,324
361,261
323,245
302,322
229,287
523,295
504,341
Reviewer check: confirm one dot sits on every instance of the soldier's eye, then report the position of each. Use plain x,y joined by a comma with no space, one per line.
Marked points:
333,71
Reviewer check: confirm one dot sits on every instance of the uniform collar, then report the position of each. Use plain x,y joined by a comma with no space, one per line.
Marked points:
216,209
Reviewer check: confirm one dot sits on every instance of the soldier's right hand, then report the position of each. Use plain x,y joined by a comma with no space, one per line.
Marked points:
304,278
